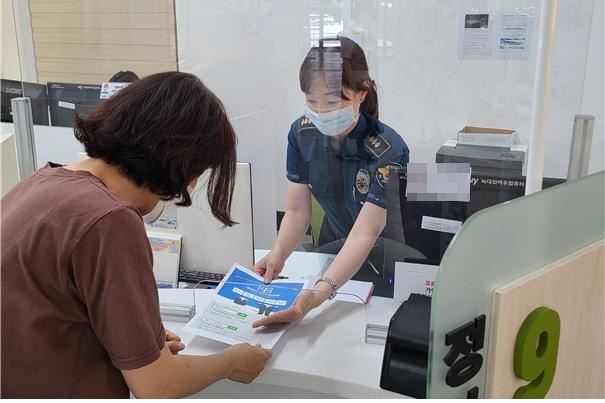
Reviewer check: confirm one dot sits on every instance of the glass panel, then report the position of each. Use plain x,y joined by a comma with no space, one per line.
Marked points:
250,54
500,244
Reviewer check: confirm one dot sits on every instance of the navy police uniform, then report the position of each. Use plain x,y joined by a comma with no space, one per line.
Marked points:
343,177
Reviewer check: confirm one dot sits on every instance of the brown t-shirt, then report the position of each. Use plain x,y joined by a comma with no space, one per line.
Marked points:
79,300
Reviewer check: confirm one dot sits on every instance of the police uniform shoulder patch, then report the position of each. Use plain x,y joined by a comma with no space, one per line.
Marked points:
362,181
377,145
382,174
305,124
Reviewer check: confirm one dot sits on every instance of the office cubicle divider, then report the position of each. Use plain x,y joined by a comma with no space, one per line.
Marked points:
516,249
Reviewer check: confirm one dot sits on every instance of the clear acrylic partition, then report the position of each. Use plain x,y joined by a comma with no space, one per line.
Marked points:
249,53
498,245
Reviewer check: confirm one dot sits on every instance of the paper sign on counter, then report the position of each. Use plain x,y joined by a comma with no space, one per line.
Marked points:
413,278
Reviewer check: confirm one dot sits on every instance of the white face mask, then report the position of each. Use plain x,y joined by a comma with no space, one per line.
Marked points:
332,123
160,208
156,212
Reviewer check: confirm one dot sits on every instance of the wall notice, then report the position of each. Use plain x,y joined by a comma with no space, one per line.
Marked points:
475,38
513,35
503,35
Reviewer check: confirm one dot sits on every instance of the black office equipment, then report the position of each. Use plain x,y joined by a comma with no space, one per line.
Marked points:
496,174
200,277
488,189
405,360
10,89
490,160
67,99
405,239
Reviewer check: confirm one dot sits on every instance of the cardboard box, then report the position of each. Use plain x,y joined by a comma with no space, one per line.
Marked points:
486,137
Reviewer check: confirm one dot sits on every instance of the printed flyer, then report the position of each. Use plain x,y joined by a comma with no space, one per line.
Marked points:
241,299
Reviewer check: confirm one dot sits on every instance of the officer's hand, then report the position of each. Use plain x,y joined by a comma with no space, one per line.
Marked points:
305,301
270,266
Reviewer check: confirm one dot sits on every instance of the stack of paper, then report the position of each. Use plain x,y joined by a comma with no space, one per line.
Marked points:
166,250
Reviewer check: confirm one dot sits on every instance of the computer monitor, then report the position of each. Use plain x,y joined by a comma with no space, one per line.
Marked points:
206,245
10,89
405,239
67,99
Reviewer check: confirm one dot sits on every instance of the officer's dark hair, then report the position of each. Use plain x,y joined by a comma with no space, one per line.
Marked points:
162,132
344,65
123,77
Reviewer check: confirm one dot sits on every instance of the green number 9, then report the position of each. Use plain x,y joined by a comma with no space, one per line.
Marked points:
536,350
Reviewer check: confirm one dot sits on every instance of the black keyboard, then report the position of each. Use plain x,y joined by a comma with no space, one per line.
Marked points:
201,277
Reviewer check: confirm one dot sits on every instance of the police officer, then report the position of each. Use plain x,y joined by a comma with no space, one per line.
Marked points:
340,153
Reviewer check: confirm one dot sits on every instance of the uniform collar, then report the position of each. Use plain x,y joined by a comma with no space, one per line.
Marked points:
353,144
361,128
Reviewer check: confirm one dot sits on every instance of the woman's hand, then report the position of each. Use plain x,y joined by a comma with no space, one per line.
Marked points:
246,361
306,300
173,342
270,266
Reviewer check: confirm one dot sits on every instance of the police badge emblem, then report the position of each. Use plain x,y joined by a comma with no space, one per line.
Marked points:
382,174
362,181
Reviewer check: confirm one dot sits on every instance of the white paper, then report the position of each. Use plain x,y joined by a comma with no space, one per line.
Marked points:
67,105
355,291
475,36
108,89
440,224
241,299
413,278
166,249
168,220
513,35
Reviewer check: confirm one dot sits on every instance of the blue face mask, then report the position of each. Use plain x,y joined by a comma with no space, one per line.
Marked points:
332,123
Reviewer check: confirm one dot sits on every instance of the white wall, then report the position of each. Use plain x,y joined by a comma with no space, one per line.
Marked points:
428,93
9,65
56,144
249,53
592,99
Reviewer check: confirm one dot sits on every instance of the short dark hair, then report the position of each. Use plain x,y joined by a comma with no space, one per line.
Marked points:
344,65
124,77
162,132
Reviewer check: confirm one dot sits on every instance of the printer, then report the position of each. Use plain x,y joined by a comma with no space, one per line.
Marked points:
498,161
405,361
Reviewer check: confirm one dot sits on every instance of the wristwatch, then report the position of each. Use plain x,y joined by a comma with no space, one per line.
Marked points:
331,283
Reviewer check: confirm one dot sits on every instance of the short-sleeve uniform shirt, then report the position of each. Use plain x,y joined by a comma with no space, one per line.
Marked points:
344,177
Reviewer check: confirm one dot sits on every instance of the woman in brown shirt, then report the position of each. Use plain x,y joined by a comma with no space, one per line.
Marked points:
80,312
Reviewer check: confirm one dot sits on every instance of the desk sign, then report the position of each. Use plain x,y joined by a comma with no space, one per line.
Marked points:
543,337
547,332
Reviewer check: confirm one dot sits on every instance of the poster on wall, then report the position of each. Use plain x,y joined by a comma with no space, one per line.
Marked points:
475,36
513,35
500,35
